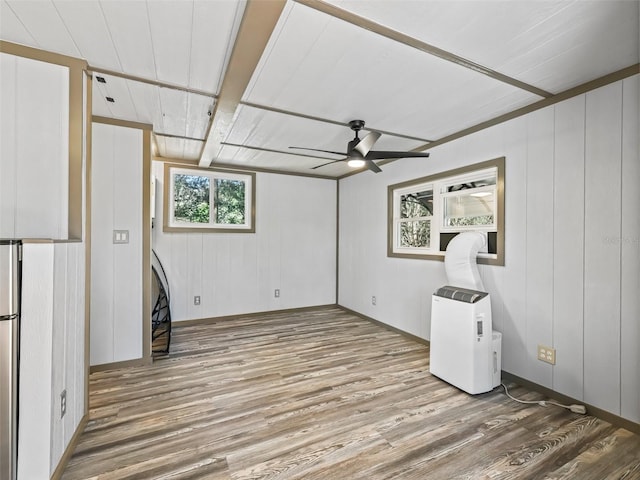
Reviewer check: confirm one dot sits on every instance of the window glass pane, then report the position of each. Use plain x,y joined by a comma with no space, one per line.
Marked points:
229,201
191,198
415,233
484,181
416,204
468,209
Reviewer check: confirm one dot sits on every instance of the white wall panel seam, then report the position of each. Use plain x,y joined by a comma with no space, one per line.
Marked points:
106,23
191,29
15,150
525,237
620,250
112,133
584,239
553,232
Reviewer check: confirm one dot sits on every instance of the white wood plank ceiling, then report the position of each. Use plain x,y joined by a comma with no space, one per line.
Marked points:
236,83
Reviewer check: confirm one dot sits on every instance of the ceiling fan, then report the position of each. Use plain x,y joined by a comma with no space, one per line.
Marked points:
359,151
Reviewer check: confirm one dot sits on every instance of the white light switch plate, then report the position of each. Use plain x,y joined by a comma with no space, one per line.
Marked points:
121,236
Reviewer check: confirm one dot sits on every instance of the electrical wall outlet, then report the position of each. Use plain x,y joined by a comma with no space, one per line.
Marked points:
276,293
196,300
547,354
63,403
373,300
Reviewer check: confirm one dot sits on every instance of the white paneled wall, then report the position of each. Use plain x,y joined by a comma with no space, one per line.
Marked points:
572,253
52,354
34,148
568,246
116,269
293,250
68,352
36,337
602,217
630,255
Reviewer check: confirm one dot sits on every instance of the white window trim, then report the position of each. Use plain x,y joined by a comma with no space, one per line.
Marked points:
481,228
170,224
438,183
397,220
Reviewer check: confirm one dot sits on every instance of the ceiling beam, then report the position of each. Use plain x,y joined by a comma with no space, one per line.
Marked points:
326,120
148,81
280,152
259,19
397,36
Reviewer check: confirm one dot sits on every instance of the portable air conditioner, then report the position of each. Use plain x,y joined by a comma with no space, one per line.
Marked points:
465,351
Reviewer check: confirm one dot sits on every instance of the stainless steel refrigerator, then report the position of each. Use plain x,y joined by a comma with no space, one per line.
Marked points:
10,253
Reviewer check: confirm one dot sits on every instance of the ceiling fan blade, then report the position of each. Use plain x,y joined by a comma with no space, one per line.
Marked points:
319,150
380,155
325,164
367,142
372,166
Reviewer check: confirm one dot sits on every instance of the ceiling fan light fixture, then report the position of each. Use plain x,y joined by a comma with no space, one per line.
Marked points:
355,163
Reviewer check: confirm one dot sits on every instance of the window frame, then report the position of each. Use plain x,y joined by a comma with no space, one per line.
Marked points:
168,222
398,220
436,181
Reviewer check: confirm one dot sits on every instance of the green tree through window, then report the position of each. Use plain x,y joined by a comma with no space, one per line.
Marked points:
229,201
209,200
191,198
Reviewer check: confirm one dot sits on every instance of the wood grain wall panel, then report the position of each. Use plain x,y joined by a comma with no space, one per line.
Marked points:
116,275
307,243
250,289
208,291
8,146
194,284
35,390
73,320
346,242
568,247
602,256
178,274
268,267
492,278
80,360
513,294
42,199
539,241
269,197
58,346
67,339
127,257
353,264
35,149
224,261
170,62
76,355
124,19
102,307
630,244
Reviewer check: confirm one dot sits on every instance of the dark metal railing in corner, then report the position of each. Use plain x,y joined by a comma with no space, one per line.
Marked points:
161,313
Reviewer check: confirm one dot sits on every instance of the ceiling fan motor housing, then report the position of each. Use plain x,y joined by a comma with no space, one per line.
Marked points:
356,125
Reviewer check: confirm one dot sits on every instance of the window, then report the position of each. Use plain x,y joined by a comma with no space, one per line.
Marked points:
208,200
414,218
426,213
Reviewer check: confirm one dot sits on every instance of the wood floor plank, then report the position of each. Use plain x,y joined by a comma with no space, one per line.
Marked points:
323,394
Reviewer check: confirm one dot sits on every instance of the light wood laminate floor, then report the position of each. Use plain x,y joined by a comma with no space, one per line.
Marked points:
324,394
